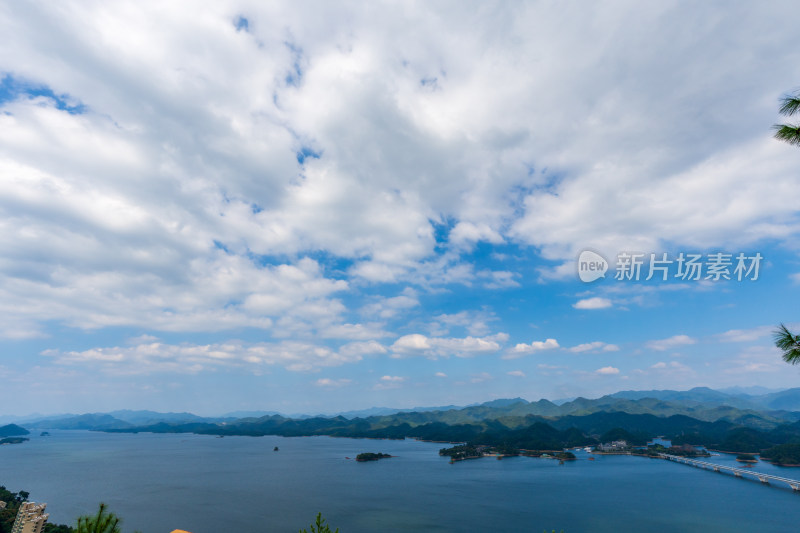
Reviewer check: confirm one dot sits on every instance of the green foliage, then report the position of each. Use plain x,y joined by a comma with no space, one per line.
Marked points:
12,430
13,440
319,526
790,133
783,454
102,522
57,528
462,451
371,456
785,340
13,500
9,514
744,440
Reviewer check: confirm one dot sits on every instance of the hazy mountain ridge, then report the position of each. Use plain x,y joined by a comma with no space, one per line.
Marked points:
764,412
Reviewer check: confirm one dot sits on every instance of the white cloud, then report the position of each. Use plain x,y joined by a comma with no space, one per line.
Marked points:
673,369
386,308
148,358
176,202
440,375
500,279
413,342
516,373
746,335
607,371
435,347
332,383
475,322
523,349
671,342
482,377
592,303
596,346
467,234
389,382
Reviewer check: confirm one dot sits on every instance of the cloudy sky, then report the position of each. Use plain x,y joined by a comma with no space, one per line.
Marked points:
317,206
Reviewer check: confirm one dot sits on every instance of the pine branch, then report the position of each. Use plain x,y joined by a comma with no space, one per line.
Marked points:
790,105
787,133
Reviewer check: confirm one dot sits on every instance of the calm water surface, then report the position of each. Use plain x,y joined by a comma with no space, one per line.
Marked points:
206,484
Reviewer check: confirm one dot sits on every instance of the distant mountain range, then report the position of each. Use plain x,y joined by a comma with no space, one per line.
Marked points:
731,420
761,411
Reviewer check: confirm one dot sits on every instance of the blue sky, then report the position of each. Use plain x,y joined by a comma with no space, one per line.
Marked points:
315,207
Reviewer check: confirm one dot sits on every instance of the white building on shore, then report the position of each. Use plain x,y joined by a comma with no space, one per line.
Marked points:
31,518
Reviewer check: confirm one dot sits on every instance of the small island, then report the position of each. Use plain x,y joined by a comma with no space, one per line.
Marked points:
12,440
783,455
371,456
746,458
12,430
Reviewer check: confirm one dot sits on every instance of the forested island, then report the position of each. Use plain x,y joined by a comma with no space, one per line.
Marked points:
783,455
362,457
13,430
13,440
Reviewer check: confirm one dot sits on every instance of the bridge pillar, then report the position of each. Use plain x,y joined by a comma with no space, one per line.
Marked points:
762,479
795,486
737,474
716,469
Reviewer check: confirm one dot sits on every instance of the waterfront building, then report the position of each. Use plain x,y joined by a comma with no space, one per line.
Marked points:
613,446
31,518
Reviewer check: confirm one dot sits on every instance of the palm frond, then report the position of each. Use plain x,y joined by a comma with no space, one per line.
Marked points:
788,343
790,105
787,133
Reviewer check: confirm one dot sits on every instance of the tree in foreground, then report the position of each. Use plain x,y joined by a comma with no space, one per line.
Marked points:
319,526
788,343
102,522
790,133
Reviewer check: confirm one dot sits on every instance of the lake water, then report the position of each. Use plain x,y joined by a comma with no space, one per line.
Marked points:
206,484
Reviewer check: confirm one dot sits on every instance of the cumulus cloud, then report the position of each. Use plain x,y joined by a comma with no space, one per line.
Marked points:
332,383
147,358
389,382
475,322
293,136
516,373
671,342
596,346
434,347
592,303
746,335
389,307
523,349
276,181
607,371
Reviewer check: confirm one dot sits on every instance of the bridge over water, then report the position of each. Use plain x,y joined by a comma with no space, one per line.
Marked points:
738,472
